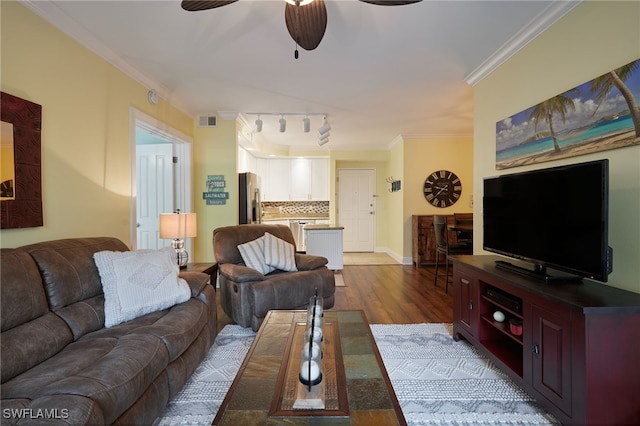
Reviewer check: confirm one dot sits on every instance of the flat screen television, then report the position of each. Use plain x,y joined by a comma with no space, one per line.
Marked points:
553,218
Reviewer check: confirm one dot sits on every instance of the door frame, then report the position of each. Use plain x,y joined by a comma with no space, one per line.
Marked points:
182,149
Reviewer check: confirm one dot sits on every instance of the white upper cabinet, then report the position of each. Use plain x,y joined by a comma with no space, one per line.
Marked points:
277,185
298,179
320,179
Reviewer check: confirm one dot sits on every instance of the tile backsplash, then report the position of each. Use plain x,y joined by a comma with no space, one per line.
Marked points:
294,209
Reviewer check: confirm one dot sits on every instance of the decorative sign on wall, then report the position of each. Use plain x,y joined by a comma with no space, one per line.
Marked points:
598,115
215,194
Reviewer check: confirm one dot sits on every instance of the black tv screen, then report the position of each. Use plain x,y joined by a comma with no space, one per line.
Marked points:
555,217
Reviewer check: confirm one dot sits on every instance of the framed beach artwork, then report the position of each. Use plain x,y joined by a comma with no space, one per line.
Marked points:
598,115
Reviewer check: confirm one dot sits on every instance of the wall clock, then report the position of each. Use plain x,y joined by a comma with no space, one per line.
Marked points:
442,188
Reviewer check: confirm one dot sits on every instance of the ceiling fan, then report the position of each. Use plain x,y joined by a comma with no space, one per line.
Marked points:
306,19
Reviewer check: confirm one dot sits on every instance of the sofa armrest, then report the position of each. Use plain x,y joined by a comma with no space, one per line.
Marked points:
309,262
239,273
196,280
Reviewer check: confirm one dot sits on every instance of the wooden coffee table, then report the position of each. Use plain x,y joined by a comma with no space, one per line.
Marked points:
363,393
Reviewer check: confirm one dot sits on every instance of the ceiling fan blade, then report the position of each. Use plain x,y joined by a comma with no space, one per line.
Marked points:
195,5
391,2
306,24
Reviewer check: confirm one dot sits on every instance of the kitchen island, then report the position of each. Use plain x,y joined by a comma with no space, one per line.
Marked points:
325,240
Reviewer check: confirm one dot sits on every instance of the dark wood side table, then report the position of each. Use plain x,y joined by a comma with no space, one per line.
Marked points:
208,268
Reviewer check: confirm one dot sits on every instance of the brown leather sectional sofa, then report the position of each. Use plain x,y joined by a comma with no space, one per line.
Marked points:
61,366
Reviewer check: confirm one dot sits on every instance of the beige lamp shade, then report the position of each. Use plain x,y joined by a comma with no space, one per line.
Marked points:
178,225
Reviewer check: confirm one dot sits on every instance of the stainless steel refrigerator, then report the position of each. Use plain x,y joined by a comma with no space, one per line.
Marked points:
250,210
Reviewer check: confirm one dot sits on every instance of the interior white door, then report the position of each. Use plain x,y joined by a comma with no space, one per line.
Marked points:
154,167
356,209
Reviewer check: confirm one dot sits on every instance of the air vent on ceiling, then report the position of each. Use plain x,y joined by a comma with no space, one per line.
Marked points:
207,120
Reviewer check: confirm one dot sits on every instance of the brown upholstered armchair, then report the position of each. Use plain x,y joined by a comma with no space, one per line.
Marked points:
246,295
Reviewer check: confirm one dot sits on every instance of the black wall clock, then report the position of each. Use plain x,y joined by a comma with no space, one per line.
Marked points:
442,188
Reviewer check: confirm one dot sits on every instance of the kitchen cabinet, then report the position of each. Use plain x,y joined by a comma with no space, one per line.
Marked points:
277,180
577,349
320,179
309,179
298,179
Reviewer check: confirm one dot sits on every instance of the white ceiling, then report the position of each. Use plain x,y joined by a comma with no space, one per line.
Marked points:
380,73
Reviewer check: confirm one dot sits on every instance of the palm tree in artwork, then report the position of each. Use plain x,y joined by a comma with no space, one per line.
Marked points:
544,112
602,86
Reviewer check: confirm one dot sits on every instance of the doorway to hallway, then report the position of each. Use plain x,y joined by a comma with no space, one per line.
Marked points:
161,175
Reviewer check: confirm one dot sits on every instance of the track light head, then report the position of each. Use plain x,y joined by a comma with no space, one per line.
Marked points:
306,124
323,140
258,125
324,129
283,125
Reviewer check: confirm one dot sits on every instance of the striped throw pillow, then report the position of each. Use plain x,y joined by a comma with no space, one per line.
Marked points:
253,256
279,253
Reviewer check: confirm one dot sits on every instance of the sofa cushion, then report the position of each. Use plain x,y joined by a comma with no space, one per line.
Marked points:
67,267
279,254
252,254
290,290
138,282
30,333
113,372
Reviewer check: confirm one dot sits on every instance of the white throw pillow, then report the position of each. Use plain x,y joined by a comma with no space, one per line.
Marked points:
136,283
279,253
253,255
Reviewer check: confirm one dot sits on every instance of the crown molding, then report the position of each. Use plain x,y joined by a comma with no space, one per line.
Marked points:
406,137
56,17
545,19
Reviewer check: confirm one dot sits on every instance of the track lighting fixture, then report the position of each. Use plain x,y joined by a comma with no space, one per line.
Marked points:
325,127
323,130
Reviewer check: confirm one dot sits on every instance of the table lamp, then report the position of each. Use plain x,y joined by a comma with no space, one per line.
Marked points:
178,226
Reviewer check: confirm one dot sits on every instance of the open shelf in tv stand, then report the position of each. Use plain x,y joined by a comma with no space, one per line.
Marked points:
579,342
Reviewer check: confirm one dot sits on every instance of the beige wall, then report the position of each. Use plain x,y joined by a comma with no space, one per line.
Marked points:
420,159
395,205
594,38
86,169
214,153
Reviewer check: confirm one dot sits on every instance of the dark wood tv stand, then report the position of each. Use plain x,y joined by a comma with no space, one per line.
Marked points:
579,352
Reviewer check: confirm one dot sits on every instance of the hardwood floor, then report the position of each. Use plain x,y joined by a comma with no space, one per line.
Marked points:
389,294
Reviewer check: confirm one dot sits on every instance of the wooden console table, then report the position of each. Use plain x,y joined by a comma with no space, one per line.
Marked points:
578,350
365,396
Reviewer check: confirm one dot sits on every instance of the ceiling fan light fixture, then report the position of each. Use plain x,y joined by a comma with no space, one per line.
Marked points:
306,124
283,124
302,2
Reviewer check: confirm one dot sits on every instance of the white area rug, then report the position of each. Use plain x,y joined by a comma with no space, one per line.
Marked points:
437,381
